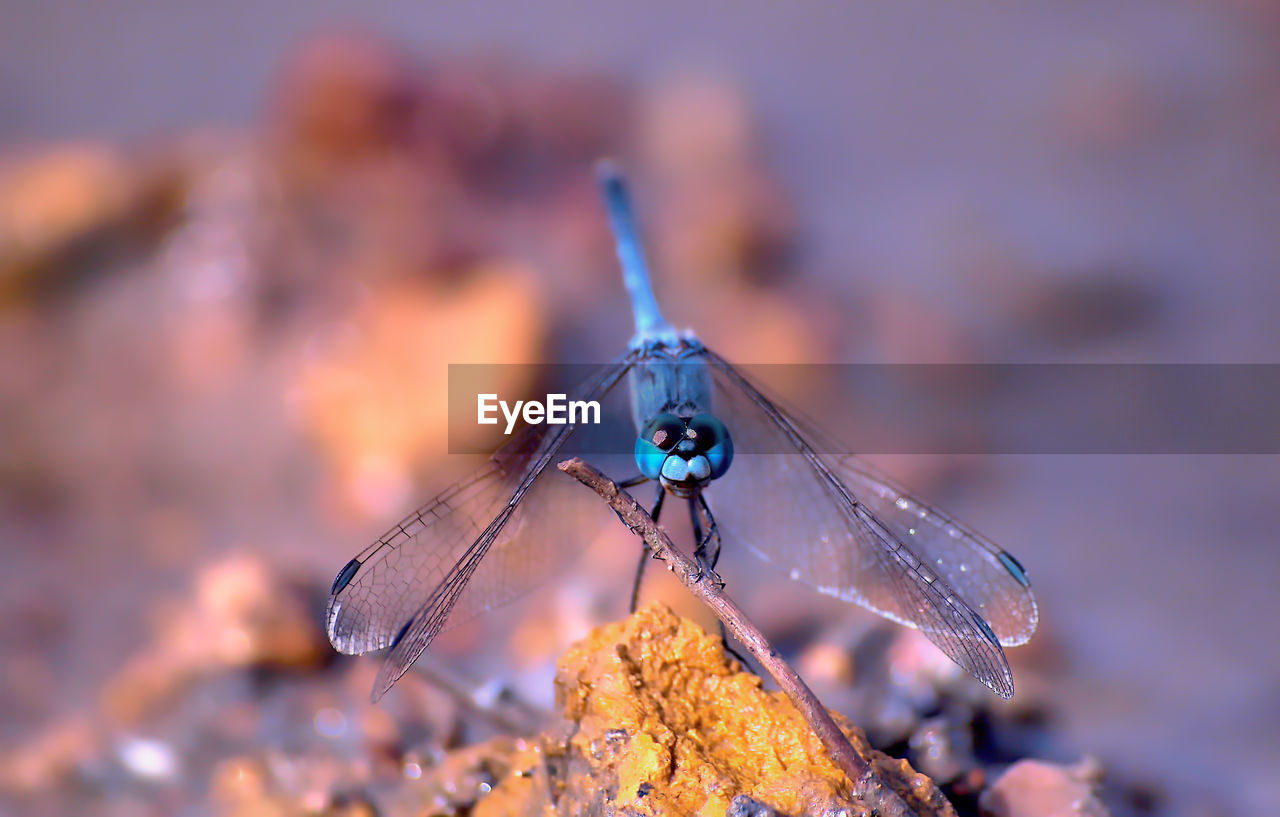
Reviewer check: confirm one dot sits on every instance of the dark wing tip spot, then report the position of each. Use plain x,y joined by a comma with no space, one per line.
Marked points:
986,629
1014,567
400,635
345,576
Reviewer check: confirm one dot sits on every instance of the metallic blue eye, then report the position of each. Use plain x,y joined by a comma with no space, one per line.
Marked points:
711,439
657,439
663,431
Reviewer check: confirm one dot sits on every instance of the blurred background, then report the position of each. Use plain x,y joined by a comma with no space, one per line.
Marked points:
239,245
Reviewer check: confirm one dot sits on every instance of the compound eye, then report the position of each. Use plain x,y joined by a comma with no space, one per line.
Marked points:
707,432
658,439
663,432
710,437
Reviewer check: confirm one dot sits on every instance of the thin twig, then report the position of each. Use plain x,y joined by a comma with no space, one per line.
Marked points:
867,784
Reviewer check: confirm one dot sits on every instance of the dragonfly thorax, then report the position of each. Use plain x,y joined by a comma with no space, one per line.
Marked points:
684,454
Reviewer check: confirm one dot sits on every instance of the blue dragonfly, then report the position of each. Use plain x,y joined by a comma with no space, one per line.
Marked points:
825,518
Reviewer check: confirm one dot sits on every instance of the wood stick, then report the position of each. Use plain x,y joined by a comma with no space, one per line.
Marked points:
867,784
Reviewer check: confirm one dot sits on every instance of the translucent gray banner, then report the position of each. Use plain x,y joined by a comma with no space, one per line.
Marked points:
911,409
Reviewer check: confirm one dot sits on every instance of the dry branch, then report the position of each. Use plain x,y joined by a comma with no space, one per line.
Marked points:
867,784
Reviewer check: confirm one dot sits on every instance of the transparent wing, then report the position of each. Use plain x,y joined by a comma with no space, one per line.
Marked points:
804,512
989,579
382,587
483,542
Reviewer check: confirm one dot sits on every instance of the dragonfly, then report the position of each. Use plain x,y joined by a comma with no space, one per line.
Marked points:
823,517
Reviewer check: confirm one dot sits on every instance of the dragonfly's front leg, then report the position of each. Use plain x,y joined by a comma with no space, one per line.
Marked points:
644,549
707,551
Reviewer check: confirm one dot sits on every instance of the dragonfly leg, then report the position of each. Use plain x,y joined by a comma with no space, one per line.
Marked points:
708,557
638,479
644,549
707,551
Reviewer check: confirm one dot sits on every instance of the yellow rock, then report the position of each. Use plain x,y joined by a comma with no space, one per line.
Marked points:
659,721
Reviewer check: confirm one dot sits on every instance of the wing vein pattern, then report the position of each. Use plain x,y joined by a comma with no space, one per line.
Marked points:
869,563
400,590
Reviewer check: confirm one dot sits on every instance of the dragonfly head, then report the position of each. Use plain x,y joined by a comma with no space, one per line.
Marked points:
684,454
